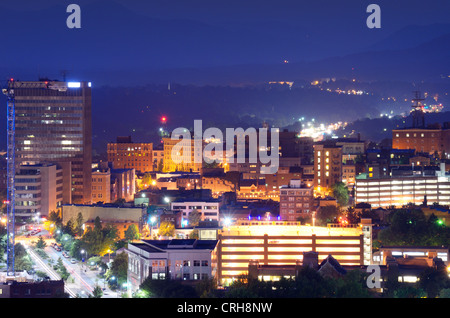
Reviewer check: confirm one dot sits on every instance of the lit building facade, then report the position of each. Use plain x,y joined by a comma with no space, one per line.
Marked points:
284,242
184,158
38,190
189,260
125,154
53,124
296,201
101,186
424,140
209,210
125,183
327,166
399,191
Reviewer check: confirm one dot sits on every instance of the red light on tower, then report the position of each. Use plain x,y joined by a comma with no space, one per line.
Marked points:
163,119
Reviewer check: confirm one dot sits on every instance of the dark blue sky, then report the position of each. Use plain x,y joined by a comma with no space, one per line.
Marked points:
124,35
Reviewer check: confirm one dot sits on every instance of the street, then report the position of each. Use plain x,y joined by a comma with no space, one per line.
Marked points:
82,280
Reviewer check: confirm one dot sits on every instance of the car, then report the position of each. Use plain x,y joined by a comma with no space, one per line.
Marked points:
58,248
73,260
65,254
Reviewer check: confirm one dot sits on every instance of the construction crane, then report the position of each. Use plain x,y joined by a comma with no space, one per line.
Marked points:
11,172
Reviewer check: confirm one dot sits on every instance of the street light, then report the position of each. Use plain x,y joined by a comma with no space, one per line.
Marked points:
152,222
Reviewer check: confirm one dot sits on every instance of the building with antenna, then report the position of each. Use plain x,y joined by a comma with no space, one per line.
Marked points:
433,139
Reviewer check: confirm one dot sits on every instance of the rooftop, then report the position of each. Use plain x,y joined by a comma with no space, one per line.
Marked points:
156,246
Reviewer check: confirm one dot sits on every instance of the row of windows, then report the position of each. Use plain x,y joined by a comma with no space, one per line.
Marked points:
414,135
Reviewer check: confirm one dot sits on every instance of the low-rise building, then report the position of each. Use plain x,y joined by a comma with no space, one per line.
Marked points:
413,186
126,183
273,242
296,201
101,185
119,216
185,259
42,289
209,209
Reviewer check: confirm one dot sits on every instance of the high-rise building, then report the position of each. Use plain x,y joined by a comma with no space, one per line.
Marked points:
327,166
38,190
53,124
126,154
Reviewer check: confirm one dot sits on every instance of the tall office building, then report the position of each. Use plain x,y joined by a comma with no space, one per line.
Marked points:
53,124
327,166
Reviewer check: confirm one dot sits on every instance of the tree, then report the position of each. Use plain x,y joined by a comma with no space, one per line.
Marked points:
78,226
93,238
160,165
97,292
408,291
40,242
166,229
340,192
22,259
70,228
146,180
310,284
62,270
119,267
110,237
351,285
53,222
132,233
327,214
166,288
433,280
409,227
194,217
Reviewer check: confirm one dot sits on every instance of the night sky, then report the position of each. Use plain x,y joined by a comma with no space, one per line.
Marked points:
136,35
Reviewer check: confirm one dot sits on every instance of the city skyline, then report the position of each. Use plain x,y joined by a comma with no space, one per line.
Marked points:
225,150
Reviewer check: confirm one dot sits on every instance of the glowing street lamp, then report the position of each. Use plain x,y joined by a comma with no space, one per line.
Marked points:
227,221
